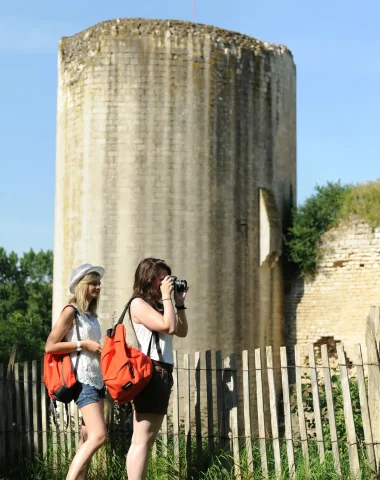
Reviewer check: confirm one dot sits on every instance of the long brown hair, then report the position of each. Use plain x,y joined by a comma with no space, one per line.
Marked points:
80,296
146,272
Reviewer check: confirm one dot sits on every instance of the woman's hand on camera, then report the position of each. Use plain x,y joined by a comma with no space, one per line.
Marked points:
179,297
91,346
167,286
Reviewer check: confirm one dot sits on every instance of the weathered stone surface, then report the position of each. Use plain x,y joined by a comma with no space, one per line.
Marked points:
270,229
165,133
78,46
337,302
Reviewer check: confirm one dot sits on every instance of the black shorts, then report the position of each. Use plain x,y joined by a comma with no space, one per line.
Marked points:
154,398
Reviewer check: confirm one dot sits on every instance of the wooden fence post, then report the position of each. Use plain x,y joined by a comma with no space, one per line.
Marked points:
44,417
187,414
12,361
197,407
69,432
287,412
364,410
316,403
273,413
247,411
2,420
27,411
111,419
18,411
10,389
372,335
54,440
76,426
348,415
330,408
210,406
36,443
261,413
62,433
219,396
230,372
300,407
176,414
123,430
164,436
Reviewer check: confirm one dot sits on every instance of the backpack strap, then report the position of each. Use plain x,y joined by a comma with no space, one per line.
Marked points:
53,403
78,334
53,411
154,334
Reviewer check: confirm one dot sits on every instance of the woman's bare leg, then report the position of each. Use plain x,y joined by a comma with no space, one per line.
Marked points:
145,430
82,439
94,436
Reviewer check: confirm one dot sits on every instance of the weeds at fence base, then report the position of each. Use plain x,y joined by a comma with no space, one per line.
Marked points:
110,465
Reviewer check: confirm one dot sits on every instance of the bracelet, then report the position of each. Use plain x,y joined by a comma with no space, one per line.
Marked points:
181,307
79,348
166,299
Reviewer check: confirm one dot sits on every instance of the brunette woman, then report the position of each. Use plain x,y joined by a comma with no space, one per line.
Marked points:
156,317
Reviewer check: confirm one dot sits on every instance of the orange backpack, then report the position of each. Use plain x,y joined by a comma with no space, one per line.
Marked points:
59,374
126,370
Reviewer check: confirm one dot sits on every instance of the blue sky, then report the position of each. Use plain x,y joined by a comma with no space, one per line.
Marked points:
336,46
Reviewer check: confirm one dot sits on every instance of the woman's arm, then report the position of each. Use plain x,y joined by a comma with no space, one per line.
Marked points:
54,342
182,325
142,312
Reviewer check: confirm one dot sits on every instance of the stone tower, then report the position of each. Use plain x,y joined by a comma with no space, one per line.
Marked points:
178,141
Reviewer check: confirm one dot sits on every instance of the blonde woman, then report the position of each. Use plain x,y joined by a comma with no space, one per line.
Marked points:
85,287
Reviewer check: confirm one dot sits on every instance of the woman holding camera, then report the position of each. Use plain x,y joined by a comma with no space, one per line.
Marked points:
155,319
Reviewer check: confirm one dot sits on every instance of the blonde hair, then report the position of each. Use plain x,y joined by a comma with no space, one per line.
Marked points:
80,295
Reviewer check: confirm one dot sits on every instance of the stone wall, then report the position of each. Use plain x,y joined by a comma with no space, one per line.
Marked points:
166,132
333,307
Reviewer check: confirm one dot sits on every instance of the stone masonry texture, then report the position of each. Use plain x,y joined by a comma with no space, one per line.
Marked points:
166,131
334,306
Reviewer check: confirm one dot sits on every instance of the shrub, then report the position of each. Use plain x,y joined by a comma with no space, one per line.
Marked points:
338,409
363,202
323,210
319,213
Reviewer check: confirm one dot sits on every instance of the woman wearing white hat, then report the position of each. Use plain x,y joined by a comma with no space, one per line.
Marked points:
85,287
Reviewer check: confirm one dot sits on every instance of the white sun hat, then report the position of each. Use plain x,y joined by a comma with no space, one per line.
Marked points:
80,272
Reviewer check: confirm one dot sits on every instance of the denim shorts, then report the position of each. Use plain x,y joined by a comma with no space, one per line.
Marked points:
89,394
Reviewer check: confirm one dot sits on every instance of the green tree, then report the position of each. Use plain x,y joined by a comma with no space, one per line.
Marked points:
25,303
309,221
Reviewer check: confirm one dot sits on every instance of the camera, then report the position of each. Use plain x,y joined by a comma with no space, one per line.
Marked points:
179,285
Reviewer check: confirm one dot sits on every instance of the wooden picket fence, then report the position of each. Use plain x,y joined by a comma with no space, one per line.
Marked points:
217,403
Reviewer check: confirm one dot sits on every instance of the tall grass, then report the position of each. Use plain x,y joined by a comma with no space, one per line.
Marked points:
110,465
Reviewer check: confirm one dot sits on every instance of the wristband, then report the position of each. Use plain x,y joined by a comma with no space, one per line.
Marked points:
166,299
180,307
79,348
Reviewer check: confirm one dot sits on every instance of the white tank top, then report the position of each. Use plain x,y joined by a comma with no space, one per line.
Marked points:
144,335
88,363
